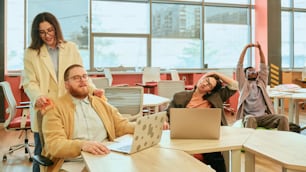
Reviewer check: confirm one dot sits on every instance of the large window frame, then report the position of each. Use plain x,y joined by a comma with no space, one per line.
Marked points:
202,4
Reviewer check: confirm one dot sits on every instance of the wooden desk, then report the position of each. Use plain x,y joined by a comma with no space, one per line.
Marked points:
285,148
230,142
294,96
150,160
152,102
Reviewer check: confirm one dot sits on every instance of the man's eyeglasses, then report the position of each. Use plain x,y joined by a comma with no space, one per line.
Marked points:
50,31
78,78
251,72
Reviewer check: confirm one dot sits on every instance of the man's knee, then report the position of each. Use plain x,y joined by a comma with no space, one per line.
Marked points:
283,124
250,122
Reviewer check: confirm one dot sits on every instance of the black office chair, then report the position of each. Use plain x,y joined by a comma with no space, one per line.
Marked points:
40,159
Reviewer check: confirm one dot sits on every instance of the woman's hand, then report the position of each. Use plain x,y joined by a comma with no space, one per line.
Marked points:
98,93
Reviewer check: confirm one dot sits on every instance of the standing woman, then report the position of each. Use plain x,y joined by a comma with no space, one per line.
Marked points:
45,61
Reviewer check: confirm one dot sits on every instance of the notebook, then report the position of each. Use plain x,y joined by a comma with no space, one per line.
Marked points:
148,131
195,123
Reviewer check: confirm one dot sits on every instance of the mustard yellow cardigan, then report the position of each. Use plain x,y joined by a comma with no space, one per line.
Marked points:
58,126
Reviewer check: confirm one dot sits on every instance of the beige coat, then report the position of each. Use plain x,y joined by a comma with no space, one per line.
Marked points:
40,77
58,126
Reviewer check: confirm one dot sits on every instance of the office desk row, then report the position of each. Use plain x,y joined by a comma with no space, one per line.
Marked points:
285,148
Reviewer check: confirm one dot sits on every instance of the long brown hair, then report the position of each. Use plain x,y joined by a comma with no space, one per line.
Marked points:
37,42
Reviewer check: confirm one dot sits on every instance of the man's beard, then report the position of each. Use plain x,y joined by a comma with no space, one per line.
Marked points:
78,94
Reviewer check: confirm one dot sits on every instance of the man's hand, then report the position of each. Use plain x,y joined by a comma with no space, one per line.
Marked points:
166,126
95,148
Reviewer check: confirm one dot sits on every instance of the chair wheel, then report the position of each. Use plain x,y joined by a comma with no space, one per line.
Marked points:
4,158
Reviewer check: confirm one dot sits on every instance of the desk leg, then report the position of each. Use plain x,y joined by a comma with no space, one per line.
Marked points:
282,106
297,113
249,162
236,160
291,110
232,160
276,105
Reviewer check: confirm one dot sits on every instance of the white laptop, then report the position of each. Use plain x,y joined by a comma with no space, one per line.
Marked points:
195,123
148,131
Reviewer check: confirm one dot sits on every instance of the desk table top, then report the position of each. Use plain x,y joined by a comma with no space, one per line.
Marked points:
150,160
231,138
154,100
283,147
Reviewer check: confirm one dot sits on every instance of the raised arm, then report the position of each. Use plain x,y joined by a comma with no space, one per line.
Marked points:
242,55
231,83
261,54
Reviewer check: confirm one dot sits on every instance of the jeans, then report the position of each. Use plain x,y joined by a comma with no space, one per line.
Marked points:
37,151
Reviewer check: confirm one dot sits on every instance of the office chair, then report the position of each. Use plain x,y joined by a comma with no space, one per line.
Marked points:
150,77
40,159
167,88
18,120
128,100
109,76
175,77
100,82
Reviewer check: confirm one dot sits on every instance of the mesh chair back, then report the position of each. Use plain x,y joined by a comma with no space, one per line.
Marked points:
128,100
100,82
167,88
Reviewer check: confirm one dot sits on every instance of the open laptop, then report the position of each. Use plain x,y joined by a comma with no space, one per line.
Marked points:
195,123
148,131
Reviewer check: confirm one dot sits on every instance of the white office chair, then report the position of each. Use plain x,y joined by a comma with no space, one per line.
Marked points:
109,76
128,100
150,74
18,120
100,82
167,88
175,77
150,77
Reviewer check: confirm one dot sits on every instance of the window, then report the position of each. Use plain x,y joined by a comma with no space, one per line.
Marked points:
114,52
120,33
293,34
226,33
15,35
176,36
286,42
299,39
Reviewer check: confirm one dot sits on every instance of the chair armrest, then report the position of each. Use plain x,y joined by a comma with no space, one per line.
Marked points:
42,160
23,107
25,103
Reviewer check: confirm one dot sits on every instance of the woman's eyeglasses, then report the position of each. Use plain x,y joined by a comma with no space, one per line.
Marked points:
50,31
206,82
